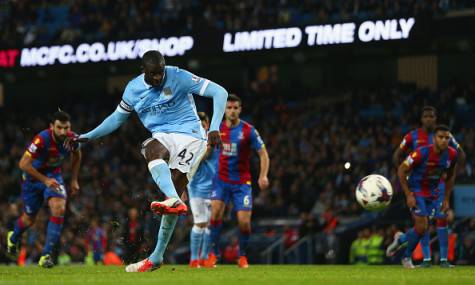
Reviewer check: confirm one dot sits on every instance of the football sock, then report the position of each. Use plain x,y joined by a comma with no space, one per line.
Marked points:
205,246
53,232
243,242
163,178
425,244
167,227
18,230
215,232
413,238
196,239
443,235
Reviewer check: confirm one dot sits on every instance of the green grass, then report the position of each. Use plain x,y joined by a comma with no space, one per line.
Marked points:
229,275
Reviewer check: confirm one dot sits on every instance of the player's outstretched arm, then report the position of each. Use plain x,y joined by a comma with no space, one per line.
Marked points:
110,124
219,95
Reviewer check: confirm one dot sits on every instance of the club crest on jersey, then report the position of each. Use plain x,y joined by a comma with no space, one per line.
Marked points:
241,135
195,78
167,91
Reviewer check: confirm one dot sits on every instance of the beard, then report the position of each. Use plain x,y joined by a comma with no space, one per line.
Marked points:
60,138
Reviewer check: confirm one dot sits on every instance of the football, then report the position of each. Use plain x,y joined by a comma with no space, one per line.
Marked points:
374,192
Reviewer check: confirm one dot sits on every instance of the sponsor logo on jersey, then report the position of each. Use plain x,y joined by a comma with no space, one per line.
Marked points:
167,91
159,108
230,149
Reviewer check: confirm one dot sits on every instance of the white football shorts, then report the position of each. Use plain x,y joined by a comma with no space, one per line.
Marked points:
185,151
201,209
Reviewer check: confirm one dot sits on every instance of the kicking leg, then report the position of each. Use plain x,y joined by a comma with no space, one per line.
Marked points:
24,222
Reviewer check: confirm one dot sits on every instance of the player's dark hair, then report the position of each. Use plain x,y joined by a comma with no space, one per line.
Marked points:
443,128
234,98
60,116
153,57
203,116
429,109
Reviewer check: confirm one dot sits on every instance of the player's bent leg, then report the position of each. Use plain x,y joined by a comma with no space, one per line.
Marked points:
244,222
57,207
396,245
157,157
24,222
413,237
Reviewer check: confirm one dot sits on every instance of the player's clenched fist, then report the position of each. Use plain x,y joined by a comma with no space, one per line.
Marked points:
214,139
263,182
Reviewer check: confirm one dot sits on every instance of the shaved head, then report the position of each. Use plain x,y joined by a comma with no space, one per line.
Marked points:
153,67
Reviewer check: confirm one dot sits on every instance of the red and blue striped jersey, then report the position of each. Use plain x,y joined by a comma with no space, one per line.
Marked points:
420,137
233,166
47,154
427,168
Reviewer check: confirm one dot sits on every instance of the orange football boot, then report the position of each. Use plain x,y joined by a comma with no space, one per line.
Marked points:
195,263
242,262
212,260
171,206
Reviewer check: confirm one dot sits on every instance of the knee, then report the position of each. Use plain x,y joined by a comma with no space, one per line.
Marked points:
245,226
201,225
421,226
152,149
28,220
58,208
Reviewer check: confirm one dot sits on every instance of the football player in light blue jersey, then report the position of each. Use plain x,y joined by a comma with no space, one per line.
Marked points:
199,192
162,98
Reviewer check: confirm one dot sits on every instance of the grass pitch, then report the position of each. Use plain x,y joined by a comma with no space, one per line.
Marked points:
230,275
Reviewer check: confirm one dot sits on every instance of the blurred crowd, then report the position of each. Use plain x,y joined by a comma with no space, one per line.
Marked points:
370,245
28,22
319,147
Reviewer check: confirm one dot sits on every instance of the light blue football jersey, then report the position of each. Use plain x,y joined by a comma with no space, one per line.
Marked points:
201,184
169,108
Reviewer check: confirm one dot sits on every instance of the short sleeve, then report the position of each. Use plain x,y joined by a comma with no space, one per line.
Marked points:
413,159
406,144
191,83
256,141
36,147
453,142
